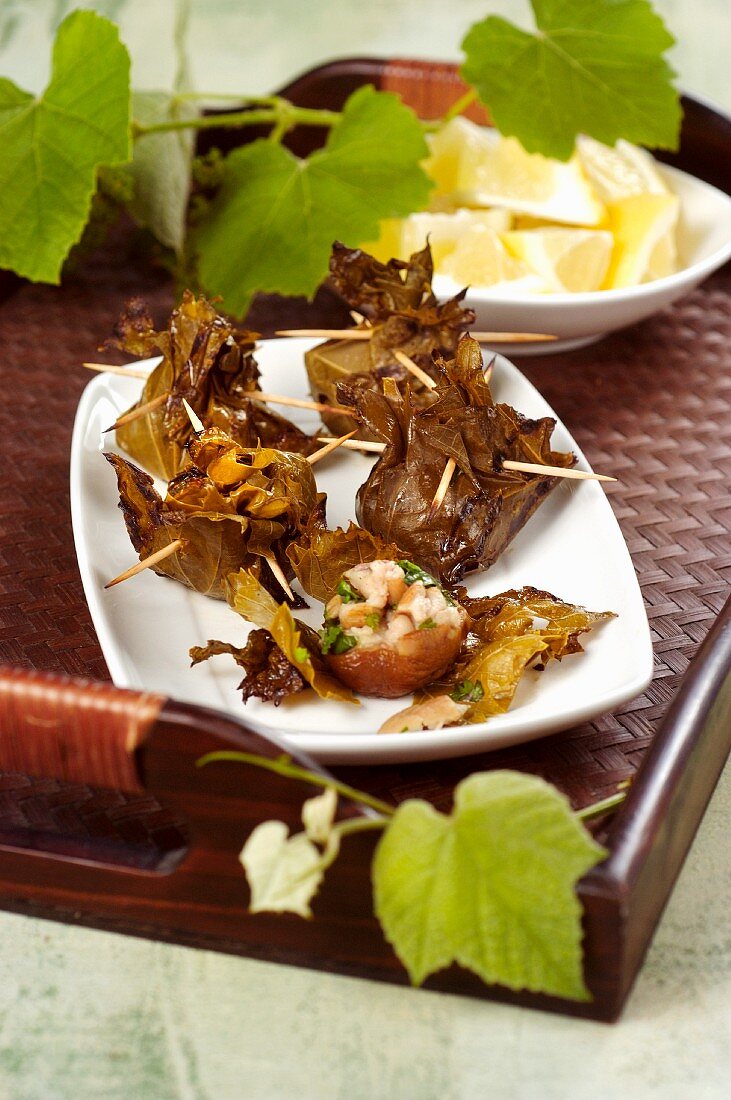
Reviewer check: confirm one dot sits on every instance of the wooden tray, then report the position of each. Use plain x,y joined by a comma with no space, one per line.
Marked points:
104,819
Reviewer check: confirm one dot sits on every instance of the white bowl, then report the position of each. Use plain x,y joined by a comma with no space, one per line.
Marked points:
704,244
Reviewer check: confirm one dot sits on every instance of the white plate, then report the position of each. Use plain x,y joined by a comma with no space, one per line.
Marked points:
572,546
704,244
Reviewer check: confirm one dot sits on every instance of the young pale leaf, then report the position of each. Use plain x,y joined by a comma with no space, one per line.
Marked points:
160,168
53,145
318,814
284,872
490,887
593,67
274,220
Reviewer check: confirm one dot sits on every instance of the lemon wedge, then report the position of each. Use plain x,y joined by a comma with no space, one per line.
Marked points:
616,173
566,259
401,237
459,140
481,259
388,244
445,230
644,233
482,168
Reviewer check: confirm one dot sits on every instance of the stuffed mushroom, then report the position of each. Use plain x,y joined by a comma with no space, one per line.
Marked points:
390,629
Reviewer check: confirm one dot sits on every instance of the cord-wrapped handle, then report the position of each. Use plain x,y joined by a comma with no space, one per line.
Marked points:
73,730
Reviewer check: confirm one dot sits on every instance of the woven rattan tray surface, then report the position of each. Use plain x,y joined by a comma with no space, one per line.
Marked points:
651,404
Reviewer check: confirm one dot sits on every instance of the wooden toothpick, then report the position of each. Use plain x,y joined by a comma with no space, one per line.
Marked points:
508,464
414,369
354,444
297,402
146,563
367,333
126,372
195,420
554,471
277,571
141,410
329,447
512,337
442,487
487,374
329,333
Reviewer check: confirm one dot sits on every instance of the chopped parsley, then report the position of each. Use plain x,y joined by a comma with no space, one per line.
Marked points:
347,593
373,620
413,573
428,624
468,691
333,639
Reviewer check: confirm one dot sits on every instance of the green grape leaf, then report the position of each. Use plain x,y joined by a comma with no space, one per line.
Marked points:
160,168
593,67
53,145
272,224
491,887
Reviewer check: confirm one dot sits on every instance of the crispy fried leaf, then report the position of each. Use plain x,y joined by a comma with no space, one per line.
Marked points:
297,641
275,217
485,506
54,145
522,611
209,363
491,887
320,557
507,633
397,297
593,66
269,675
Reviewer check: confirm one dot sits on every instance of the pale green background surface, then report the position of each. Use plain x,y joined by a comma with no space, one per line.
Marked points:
95,1016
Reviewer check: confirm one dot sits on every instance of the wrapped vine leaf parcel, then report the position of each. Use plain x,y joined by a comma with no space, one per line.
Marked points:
485,505
232,507
208,362
397,300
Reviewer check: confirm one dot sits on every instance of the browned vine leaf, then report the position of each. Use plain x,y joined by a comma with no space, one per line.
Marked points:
231,506
406,316
269,675
209,363
485,505
507,634
320,557
516,611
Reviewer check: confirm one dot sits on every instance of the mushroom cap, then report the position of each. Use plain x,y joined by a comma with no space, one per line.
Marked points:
390,671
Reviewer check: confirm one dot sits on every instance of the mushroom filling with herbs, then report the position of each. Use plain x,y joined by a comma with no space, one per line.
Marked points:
390,628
